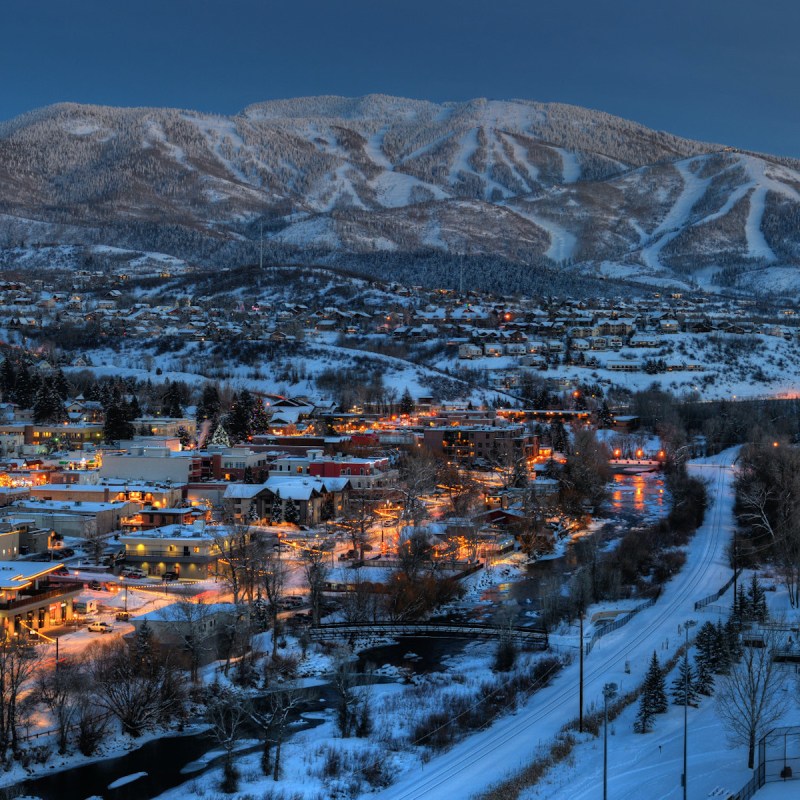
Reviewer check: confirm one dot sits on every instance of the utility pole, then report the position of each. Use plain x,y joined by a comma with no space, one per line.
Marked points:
690,623
735,567
609,693
580,693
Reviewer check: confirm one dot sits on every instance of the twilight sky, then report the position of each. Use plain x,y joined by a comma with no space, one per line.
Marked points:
726,71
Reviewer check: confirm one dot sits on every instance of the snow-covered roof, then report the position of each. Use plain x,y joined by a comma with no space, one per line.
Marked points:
18,574
176,612
299,488
242,491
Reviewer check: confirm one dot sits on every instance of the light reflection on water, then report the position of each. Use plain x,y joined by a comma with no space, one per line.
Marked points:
642,493
634,500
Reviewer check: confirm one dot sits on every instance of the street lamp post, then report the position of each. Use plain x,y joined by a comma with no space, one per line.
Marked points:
690,623
609,693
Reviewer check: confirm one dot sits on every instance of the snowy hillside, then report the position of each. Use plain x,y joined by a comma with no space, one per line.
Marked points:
384,179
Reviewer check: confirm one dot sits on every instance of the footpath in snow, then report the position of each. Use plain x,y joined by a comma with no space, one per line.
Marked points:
487,757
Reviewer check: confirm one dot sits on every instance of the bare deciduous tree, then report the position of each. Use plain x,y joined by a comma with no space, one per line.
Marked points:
418,473
139,696
747,698
60,693
226,712
18,662
315,569
272,581
274,720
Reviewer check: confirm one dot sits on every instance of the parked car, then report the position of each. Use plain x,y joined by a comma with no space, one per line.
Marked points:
100,627
295,600
96,585
123,616
170,576
132,572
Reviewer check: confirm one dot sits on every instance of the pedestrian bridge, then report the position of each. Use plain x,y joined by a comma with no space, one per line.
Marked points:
533,637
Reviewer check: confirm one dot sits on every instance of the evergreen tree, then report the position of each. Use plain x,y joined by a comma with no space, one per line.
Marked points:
25,386
276,512
724,656
134,409
61,385
260,418
406,403
653,699
47,405
240,420
645,716
707,658
221,437
704,677
558,437
605,417
184,437
732,646
143,648
209,406
171,401
292,513
741,607
93,393
117,427
684,687
756,601
8,379
658,686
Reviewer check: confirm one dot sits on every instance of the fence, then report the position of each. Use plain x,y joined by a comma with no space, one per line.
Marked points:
712,598
778,760
617,624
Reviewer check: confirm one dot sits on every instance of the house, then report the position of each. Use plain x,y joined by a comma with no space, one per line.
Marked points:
469,351
74,517
31,598
149,518
244,502
308,495
206,626
189,550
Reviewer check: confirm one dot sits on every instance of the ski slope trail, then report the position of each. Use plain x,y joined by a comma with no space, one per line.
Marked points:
514,741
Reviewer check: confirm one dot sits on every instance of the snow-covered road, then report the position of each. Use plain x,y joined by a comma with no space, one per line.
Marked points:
487,757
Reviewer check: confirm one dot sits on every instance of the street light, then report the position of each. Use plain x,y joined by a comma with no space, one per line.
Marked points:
609,693
690,623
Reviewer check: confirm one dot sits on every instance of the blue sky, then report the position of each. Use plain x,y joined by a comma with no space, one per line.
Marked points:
719,70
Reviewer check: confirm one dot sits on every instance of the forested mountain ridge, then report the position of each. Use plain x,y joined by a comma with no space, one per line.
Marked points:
396,183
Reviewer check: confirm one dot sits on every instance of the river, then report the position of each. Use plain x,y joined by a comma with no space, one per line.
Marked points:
173,760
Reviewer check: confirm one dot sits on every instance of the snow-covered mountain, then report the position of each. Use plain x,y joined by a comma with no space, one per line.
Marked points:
387,181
